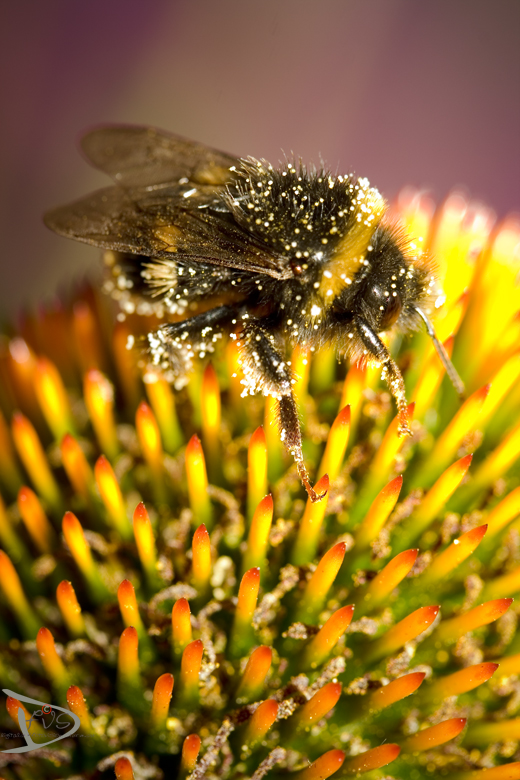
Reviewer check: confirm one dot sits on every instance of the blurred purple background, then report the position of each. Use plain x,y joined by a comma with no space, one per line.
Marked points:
401,91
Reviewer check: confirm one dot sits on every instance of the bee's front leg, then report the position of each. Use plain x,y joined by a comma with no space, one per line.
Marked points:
266,371
391,373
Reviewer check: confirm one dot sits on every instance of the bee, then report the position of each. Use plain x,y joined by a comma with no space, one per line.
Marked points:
270,256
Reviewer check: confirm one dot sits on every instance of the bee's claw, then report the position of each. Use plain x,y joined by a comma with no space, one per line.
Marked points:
314,497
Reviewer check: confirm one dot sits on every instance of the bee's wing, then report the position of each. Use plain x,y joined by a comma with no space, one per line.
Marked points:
161,223
144,157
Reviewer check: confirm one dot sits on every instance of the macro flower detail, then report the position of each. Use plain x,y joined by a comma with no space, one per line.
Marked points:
163,578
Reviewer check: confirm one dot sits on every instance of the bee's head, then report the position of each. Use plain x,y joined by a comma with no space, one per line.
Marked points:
398,288
392,283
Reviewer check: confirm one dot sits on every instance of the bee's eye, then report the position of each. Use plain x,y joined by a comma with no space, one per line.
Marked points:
389,307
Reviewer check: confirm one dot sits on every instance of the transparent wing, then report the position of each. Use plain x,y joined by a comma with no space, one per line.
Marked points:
144,157
163,223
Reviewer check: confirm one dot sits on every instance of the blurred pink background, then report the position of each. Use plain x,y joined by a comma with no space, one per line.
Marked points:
401,91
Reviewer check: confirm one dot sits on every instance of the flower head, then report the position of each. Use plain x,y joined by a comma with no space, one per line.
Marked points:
162,578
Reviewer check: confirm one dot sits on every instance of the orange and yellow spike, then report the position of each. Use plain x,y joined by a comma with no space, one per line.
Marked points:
80,551
459,682
502,514
395,691
379,512
323,767
407,629
506,585
78,706
336,446
89,351
161,398
211,418
123,769
352,394
446,562
36,520
433,502
112,497
253,680
498,462
386,581
201,559
372,759
129,608
242,635
52,397
317,707
430,379
22,365
9,471
385,456
77,467
151,446
258,538
16,598
162,694
256,471
190,752
433,736
503,772
261,721
307,538
51,661
128,671
9,536
99,400
451,630
70,609
197,477
449,441
145,543
321,645
320,583
181,626
504,730
35,461
190,670
504,380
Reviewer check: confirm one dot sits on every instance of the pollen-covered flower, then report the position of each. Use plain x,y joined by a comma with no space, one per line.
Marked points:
179,597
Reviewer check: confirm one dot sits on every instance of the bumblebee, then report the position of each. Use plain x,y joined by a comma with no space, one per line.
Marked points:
271,256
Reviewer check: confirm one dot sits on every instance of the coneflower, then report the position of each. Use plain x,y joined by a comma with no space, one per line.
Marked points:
162,577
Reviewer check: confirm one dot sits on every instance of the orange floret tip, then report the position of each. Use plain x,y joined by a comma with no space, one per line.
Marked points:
123,769
190,752
396,690
373,759
162,694
319,705
261,721
201,550
257,669
323,767
434,736
181,625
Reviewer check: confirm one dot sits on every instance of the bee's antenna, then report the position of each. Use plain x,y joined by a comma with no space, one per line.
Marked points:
456,381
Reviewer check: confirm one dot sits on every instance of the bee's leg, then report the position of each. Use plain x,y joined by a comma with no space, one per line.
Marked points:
173,346
266,371
391,373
